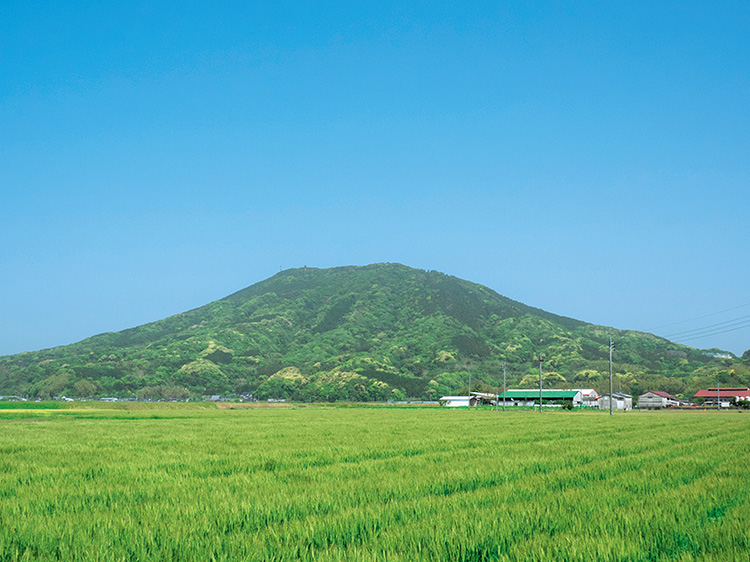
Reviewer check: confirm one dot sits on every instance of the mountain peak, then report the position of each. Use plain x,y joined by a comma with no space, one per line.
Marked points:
369,332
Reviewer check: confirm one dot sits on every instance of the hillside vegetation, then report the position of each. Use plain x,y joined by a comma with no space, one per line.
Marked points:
378,332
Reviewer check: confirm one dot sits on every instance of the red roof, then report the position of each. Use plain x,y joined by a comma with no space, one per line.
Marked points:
665,394
723,392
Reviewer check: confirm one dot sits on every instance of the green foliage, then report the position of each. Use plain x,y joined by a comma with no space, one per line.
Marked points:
162,392
549,380
403,332
85,389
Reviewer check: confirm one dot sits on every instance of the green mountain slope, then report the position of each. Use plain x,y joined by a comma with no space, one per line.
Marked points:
384,331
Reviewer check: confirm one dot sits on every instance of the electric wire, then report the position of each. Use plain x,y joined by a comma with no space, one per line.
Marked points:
701,317
746,325
710,327
713,331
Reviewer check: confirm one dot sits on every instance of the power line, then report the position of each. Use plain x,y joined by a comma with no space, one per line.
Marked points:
710,327
701,317
715,333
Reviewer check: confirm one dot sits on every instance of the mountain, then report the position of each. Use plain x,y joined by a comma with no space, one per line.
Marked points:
378,332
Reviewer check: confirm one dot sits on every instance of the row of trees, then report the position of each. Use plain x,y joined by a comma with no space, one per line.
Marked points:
362,380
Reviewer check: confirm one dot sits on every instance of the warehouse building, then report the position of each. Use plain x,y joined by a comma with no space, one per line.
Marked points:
620,401
530,397
727,396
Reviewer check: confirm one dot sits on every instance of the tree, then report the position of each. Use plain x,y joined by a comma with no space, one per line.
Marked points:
203,376
588,375
548,379
52,386
162,392
85,388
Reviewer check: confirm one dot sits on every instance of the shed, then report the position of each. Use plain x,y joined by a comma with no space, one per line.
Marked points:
458,401
485,398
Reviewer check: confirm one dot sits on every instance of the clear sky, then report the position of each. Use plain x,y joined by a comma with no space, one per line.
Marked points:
589,159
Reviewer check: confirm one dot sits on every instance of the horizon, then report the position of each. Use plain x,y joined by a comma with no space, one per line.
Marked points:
591,161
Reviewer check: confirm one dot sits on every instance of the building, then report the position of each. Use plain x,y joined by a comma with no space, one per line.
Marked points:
485,398
656,400
727,395
620,401
589,396
458,401
530,397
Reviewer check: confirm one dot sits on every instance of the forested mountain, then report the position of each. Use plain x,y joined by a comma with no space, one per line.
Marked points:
379,332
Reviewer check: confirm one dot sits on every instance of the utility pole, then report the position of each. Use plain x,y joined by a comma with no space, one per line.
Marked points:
611,347
503,386
541,359
469,369
718,396
497,395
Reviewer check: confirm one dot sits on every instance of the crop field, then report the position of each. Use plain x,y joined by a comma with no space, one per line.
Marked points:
335,483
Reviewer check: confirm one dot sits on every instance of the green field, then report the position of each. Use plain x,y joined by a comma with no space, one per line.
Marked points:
372,484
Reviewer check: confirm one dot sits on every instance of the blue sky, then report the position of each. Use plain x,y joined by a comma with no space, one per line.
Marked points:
589,159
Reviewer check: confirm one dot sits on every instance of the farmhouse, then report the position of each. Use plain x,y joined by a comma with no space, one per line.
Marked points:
727,395
589,396
656,400
620,401
530,397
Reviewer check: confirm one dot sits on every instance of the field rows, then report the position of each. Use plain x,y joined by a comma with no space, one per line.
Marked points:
374,484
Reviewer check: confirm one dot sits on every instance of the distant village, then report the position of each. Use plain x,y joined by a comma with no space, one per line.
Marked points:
588,398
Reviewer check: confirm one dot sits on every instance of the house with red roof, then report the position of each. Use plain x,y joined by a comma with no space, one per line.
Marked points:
656,400
726,395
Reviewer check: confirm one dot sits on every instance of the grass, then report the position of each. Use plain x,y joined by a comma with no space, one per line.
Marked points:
373,484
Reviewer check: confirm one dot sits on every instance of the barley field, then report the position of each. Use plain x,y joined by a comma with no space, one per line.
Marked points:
335,483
